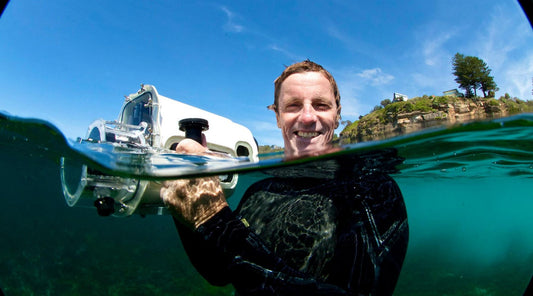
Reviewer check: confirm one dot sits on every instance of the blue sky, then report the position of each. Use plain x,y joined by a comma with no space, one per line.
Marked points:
71,62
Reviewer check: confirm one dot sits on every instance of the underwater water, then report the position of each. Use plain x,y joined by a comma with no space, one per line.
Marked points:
468,193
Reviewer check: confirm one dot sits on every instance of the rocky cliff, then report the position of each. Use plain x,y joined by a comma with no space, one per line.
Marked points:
428,111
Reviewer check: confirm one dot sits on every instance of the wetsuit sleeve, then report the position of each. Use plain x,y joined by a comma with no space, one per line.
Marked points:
224,250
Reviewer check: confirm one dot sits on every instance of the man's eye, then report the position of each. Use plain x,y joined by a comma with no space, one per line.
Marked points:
292,107
322,107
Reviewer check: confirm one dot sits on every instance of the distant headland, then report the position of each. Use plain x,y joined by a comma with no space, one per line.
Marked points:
402,116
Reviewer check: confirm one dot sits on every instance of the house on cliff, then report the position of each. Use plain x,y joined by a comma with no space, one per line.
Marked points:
397,97
453,93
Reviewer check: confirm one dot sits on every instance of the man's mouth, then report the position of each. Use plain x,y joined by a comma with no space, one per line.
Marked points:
307,134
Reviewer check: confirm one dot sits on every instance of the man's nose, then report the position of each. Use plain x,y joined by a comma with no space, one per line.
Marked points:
308,114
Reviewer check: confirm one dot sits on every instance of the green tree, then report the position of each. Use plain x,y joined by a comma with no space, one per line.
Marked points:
488,86
472,73
385,102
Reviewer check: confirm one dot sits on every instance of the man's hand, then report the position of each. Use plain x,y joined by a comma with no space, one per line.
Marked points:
189,146
193,201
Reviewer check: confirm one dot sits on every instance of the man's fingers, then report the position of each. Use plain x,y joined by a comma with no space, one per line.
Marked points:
188,146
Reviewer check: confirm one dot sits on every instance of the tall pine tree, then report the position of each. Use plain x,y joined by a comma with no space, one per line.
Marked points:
472,73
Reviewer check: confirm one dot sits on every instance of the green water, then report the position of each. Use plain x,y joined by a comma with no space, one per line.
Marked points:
468,196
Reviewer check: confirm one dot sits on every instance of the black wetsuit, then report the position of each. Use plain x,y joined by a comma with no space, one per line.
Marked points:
343,233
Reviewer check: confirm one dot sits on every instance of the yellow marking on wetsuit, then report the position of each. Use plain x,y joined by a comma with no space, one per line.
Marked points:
245,222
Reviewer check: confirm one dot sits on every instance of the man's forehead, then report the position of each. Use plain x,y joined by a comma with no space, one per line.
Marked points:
306,76
314,81
308,84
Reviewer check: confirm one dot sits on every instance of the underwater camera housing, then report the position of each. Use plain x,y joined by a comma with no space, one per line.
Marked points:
148,120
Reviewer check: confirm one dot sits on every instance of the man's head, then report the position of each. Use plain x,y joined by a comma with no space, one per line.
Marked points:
307,106
301,67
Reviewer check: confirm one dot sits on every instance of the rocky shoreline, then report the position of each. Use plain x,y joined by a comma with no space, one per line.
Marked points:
416,114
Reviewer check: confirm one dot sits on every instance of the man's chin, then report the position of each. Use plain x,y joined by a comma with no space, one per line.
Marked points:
307,149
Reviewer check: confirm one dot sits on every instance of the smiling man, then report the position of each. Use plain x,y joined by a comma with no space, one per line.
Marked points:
307,106
341,232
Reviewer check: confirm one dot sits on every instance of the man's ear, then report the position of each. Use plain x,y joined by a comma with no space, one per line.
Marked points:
277,120
338,117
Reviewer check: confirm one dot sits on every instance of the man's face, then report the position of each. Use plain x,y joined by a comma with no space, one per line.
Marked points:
307,113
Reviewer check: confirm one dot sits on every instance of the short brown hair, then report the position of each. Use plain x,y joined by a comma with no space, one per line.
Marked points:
301,67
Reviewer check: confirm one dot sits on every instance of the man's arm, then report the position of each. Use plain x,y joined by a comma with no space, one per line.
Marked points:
224,250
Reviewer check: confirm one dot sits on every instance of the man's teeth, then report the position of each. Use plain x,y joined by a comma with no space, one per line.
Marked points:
307,134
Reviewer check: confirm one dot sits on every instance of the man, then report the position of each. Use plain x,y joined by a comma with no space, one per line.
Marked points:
345,234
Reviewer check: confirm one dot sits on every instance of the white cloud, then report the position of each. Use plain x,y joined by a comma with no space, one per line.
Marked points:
343,38
352,43
499,40
290,55
231,25
433,51
359,89
518,76
502,36
503,45
434,43
375,77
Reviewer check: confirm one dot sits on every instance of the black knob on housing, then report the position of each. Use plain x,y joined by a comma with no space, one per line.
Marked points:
193,128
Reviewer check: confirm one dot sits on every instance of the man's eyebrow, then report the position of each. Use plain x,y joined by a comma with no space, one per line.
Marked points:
314,100
318,100
292,100
322,100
